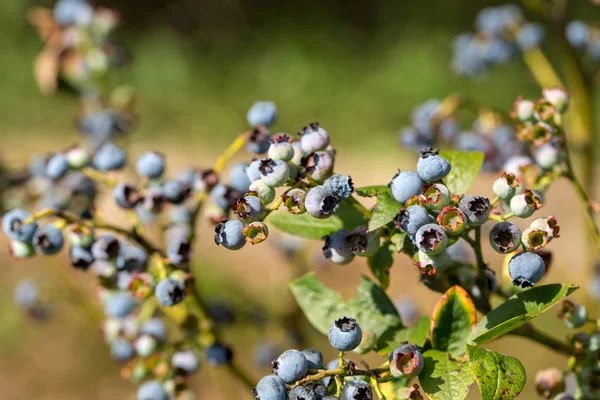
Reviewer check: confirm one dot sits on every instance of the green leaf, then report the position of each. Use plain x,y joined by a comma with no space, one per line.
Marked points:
380,264
465,167
371,307
443,378
518,310
308,227
370,191
416,334
454,317
386,209
499,377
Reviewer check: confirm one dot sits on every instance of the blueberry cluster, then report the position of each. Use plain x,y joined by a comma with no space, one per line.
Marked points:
434,124
584,38
302,375
501,33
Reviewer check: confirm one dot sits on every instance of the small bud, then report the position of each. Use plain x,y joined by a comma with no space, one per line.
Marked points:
256,232
544,111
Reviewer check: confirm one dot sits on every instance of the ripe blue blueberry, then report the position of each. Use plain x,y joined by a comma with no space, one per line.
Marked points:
475,208
345,334
152,390
119,304
318,165
526,269
238,179
340,185
270,387
431,239
431,166
262,113
131,258
577,33
406,361
26,294
156,328
336,247
200,181
230,234
121,350
175,192
264,353
57,166
313,138
81,258
252,170
405,185
224,196
363,242
170,292
150,165
505,237
218,354
530,35
127,196
48,240
274,173
357,390
249,208
281,148
298,153
179,250
69,12
13,226
320,202
259,141
302,393
314,358
186,361
179,215
291,366
109,157
105,248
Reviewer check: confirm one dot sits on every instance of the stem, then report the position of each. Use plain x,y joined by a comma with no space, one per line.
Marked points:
529,332
233,148
360,208
375,384
541,69
338,386
481,268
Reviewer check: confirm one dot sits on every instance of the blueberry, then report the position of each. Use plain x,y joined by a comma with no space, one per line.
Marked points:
169,292
573,315
314,358
357,390
77,157
249,208
505,186
549,225
109,157
218,354
345,334
81,258
262,113
266,193
295,200
132,259
57,166
179,250
436,196
270,387
318,165
203,181
175,191
253,171
106,247
281,148
21,249
548,155
186,361
505,237
127,196
320,202
476,209
406,361
12,225
363,242
121,350
238,179
340,185
298,154
230,234
530,35
333,364
453,220
431,166
48,240
405,185
152,390
577,33
302,393
526,269
119,304
524,205
558,97
224,196
69,12
291,366
179,215
150,165
523,110
336,247
548,382
274,173
258,141
313,138
431,239
26,295
265,353
145,345
156,328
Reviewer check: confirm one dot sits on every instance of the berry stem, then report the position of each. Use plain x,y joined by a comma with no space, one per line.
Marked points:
541,69
338,386
233,148
481,267
375,385
99,176
359,207
529,332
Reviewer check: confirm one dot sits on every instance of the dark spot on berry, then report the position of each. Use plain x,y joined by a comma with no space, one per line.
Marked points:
357,242
504,239
362,393
346,324
478,206
329,204
430,239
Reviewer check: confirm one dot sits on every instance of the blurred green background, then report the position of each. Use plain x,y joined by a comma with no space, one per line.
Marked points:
357,67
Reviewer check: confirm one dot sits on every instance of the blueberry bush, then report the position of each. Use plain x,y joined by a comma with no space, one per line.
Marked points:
159,327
